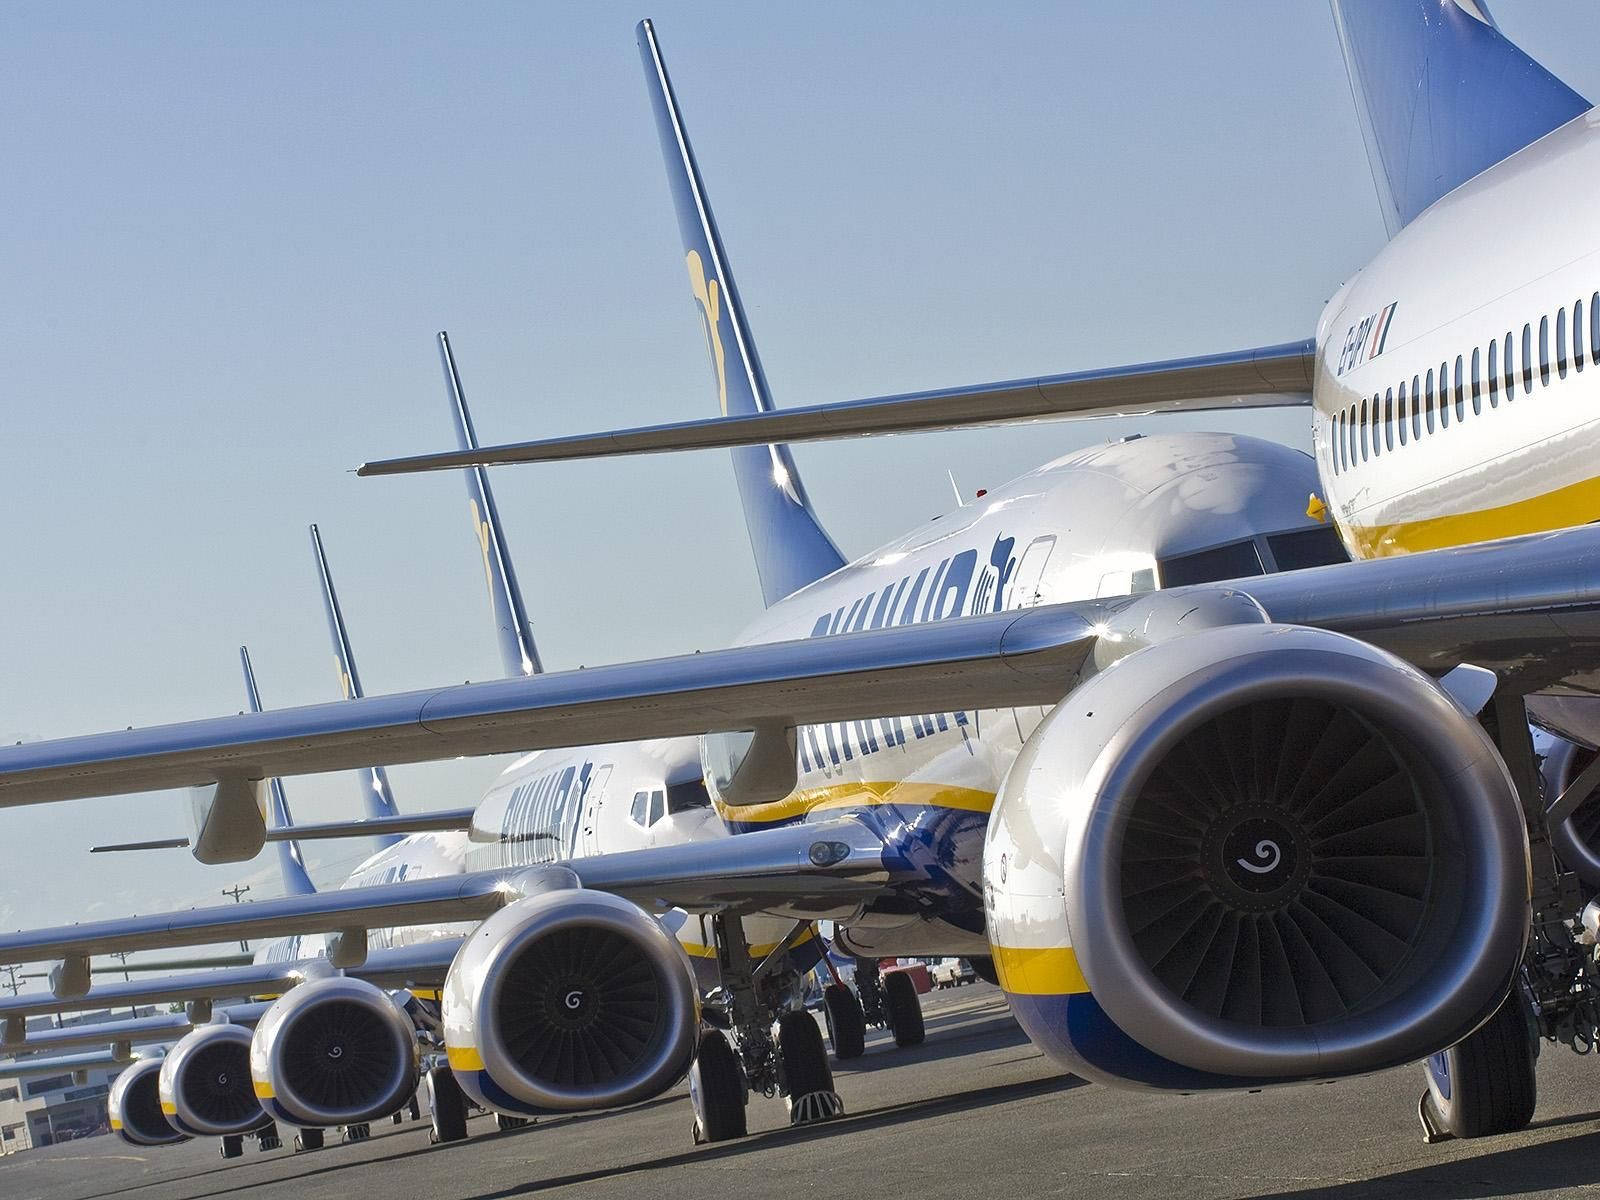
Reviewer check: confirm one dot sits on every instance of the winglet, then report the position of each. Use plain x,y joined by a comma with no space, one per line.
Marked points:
791,547
376,797
513,631
292,864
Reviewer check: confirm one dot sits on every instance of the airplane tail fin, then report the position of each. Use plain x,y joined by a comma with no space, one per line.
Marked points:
1442,95
296,881
791,547
513,632
377,800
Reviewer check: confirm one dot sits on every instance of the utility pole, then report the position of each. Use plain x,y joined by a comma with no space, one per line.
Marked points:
122,957
237,892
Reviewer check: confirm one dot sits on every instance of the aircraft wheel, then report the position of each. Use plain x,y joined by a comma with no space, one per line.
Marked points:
983,968
232,1147
357,1133
505,1123
904,1008
717,1090
268,1139
1485,1084
847,1024
803,1071
308,1139
448,1105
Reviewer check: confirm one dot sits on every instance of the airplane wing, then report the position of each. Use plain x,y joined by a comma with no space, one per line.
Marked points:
158,1027
1268,376
64,1064
440,819
422,965
802,871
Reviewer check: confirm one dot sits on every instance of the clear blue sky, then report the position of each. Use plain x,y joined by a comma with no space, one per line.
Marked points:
231,231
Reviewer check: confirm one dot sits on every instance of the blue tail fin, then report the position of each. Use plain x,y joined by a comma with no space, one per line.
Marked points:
377,800
1442,95
290,861
791,547
513,632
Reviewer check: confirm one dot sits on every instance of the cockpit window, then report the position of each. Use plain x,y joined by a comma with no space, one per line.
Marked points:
658,803
1307,548
681,797
1233,561
639,812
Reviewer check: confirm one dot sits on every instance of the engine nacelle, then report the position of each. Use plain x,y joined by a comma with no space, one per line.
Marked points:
1577,839
134,1105
334,1051
1255,855
205,1083
569,1000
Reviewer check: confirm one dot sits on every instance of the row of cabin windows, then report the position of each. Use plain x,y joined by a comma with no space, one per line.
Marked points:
1431,402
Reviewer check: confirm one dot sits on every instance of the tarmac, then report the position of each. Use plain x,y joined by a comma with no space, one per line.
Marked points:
974,1112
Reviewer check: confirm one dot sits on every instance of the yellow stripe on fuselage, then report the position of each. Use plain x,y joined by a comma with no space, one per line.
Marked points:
1575,504
464,1058
861,795
1052,971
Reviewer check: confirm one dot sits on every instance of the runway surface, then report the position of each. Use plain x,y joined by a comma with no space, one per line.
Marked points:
975,1112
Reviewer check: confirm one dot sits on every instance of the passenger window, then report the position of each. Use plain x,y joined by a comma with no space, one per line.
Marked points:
1577,334
658,806
1561,344
1494,374
1388,419
1594,328
1508,364
1461,389
1377,425
1477,384
1527,360
640,809
1428,402
1544,351
1363,429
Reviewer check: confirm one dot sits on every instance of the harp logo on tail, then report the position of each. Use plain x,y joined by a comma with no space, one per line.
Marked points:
709,297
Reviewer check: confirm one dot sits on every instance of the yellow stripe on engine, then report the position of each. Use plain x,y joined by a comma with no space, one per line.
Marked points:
1575,504
862,795
116,1125
1052,971
464,1058
263,1090
169,1110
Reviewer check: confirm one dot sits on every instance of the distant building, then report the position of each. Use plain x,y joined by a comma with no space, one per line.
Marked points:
52,1108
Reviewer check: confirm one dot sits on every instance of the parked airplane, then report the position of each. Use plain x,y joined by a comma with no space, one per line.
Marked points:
1237,834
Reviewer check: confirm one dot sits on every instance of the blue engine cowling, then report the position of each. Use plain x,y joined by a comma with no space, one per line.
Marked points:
1254,855
334,1051
205,1083
567,1001
134,1105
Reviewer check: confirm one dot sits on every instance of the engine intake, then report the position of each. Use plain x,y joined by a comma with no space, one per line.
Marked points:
569,1000
1261,853
334,1051
1577,839
205,1083
134,1104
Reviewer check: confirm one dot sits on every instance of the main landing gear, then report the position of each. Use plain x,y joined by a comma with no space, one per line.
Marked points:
890,1002
847,1023
308,1139
447,1106
1486,1084
505,1123
772,1045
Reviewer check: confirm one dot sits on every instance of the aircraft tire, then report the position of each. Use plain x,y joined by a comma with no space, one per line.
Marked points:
308,1139
448,1106
232,1147
268,1139
904,1007
847,1024
1486,1084
802,1057
717,1090
505,1123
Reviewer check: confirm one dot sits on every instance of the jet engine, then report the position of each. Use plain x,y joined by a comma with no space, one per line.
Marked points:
334,1051
205,1083
135,1106
1256,854
568,1000
1577,839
